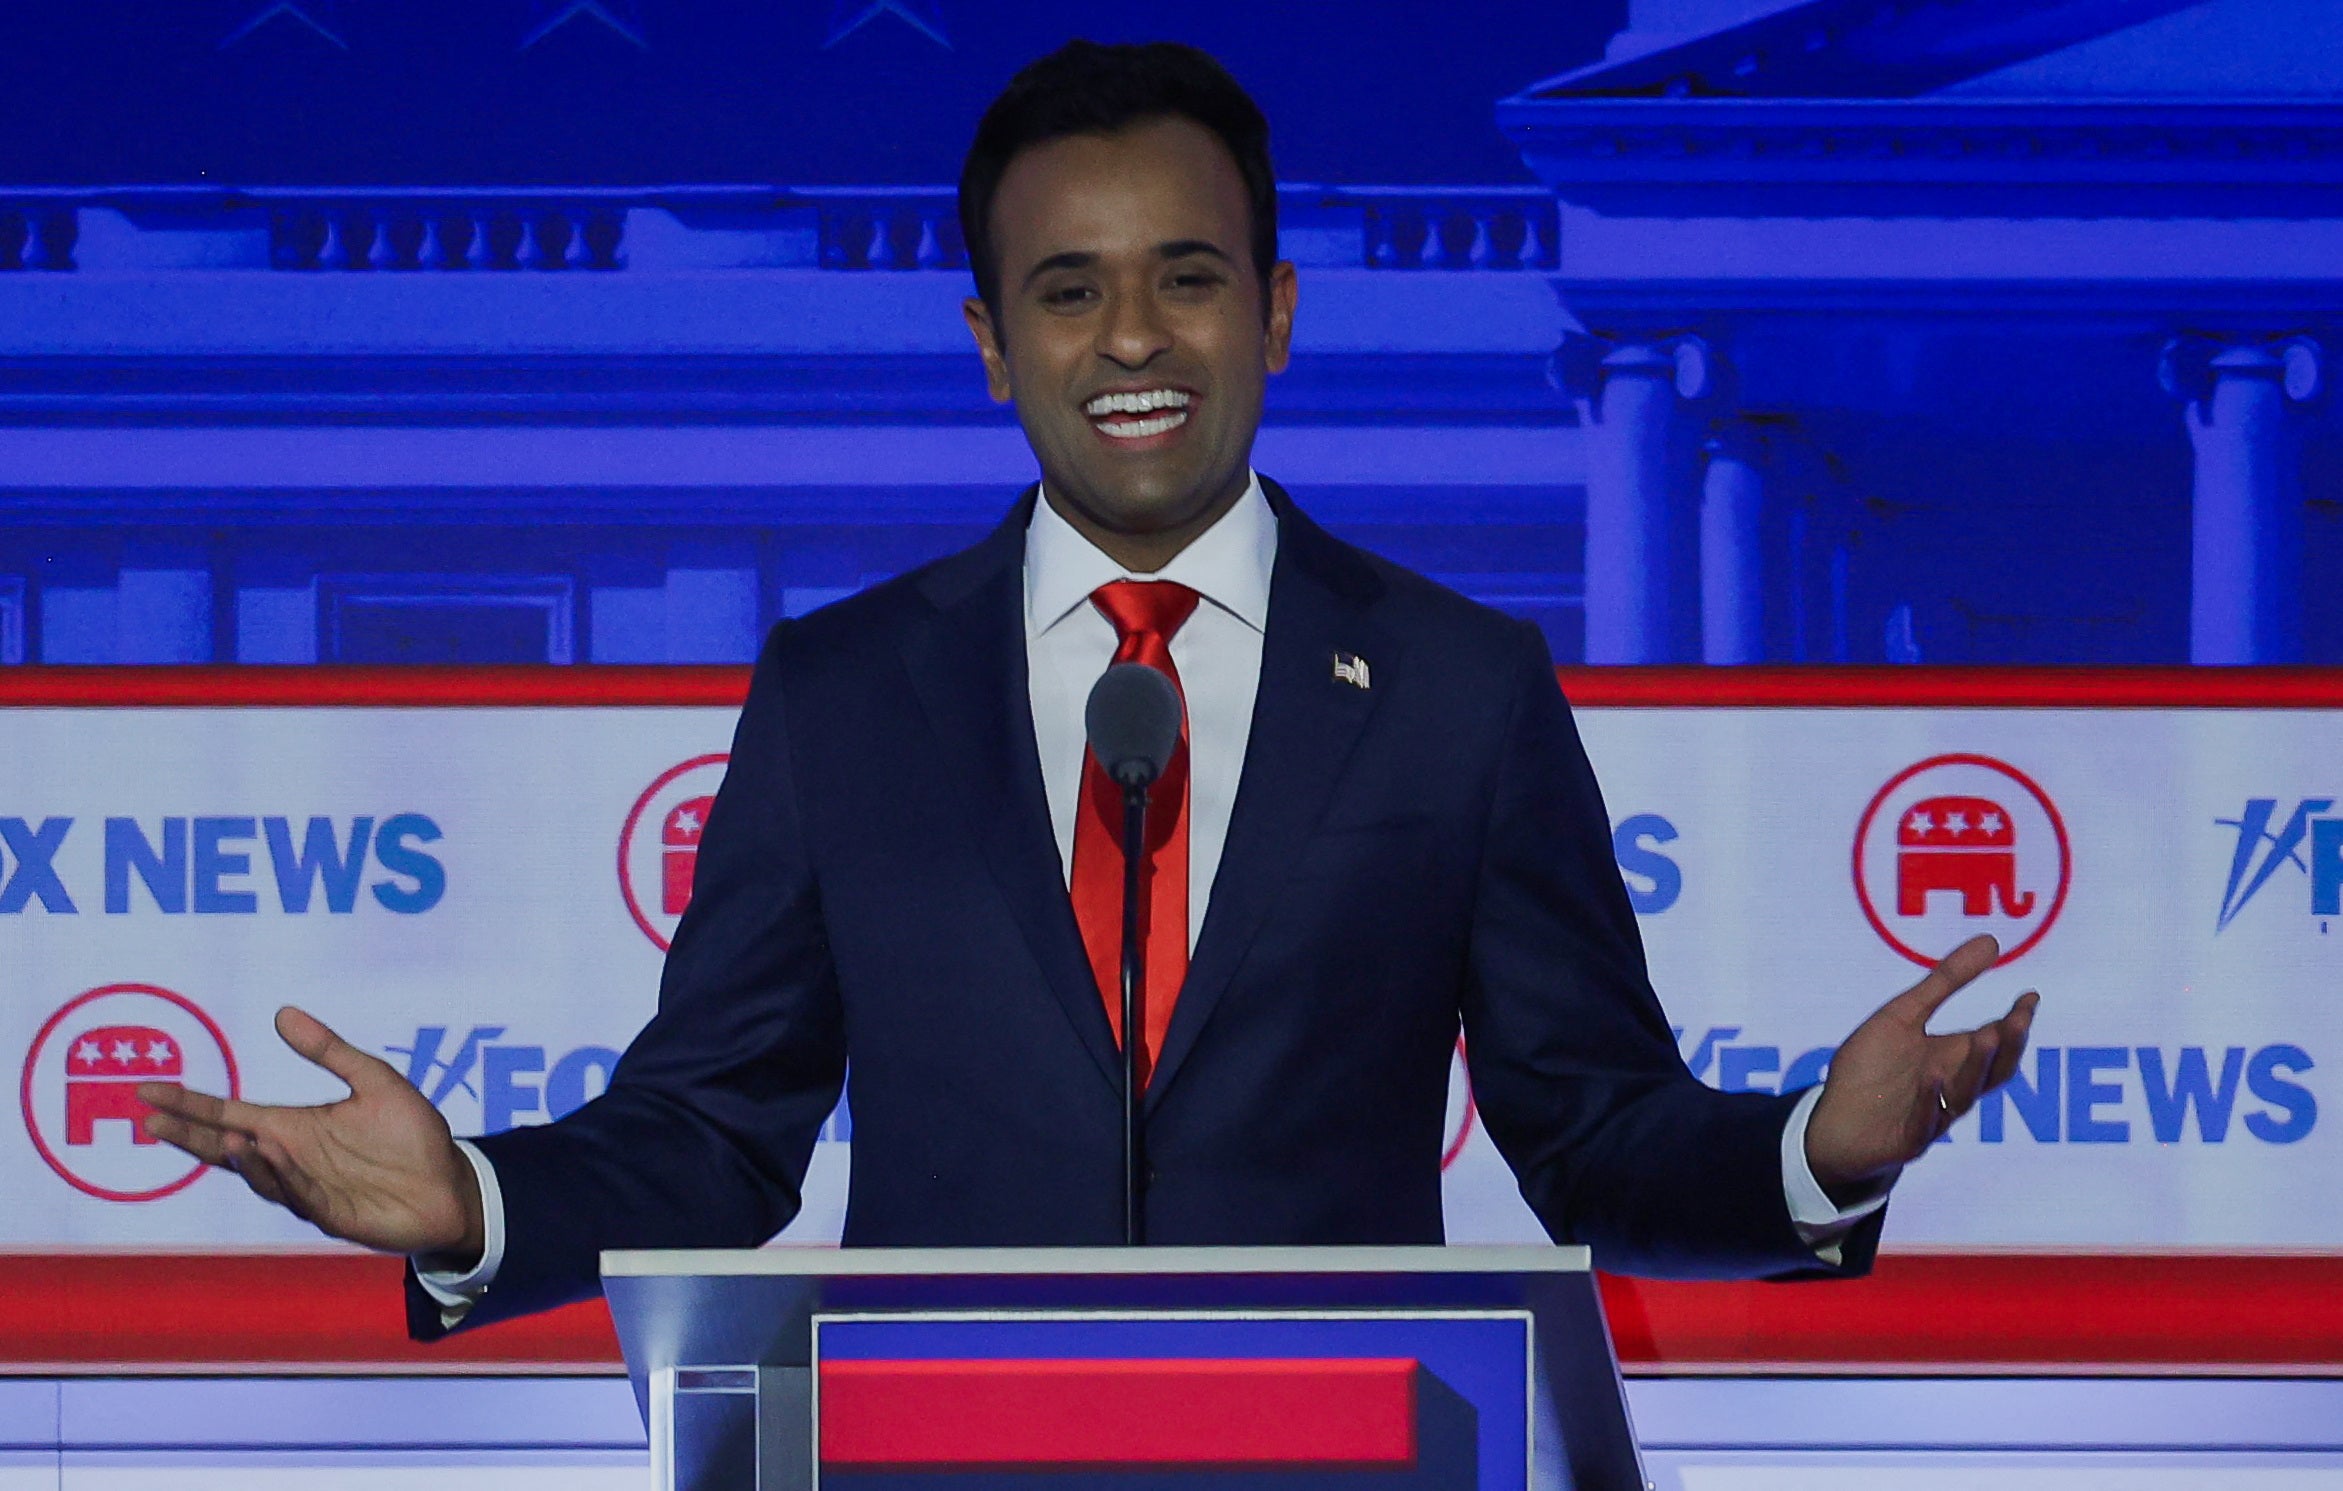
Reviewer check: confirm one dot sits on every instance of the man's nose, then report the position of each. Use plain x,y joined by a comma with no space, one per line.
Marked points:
1133,331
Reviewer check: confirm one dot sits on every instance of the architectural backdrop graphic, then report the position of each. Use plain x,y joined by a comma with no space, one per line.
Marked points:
611,330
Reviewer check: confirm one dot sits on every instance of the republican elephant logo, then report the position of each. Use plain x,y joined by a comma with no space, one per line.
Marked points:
103,1067
1965,845
659,844
1956,845
79,1090
680,852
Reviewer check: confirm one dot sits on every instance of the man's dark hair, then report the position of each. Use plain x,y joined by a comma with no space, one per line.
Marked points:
1086,88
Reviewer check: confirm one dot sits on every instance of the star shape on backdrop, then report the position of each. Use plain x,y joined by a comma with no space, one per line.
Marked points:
923,16
622,16
322,18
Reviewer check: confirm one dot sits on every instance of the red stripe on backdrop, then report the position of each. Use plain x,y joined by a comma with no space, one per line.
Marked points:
934,1415
2057,1311
1953,1312
1600,688
179,1312
1955,688
420,688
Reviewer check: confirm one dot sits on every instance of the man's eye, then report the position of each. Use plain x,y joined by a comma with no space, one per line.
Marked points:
1190,279
1067,295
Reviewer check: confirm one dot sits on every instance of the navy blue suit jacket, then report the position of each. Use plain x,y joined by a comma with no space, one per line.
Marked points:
879,879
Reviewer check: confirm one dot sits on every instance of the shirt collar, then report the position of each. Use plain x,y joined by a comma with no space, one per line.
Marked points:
1228,564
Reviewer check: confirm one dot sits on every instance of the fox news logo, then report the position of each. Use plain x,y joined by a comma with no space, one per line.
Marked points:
2307,840
215,866
1722,1059
1654,880
2074,1094
509,1082
2108,1094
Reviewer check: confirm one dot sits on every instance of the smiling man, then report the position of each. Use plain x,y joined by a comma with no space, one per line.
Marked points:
1380,828
1131,307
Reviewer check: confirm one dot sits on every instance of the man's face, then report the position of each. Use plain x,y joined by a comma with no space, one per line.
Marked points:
1131,331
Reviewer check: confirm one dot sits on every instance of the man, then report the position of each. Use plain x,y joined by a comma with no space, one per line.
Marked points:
1381,824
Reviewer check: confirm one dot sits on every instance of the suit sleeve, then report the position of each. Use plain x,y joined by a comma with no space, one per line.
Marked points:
703,1137
1574,1068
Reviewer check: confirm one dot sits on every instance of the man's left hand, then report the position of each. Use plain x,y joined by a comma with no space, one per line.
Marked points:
1894,1089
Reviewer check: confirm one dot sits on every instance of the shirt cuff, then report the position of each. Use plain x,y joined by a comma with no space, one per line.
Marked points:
457,1291
1822,1224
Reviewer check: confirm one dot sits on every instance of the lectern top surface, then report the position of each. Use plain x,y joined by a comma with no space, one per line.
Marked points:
799,1261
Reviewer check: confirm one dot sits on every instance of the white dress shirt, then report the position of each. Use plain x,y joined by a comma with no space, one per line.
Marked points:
1217,651
1068,643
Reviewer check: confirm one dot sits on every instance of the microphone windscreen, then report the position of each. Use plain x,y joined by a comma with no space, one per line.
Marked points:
1134,722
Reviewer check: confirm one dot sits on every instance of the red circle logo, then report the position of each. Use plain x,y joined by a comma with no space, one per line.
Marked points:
80,1088
659,848
1957,845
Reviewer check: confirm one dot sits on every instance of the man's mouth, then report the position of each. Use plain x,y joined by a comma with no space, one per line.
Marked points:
1139,414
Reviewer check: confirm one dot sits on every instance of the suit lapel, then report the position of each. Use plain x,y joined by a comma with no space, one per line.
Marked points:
968,666
1305,722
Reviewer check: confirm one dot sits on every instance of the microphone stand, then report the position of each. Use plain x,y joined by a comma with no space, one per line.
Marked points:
1134,1012
1133,720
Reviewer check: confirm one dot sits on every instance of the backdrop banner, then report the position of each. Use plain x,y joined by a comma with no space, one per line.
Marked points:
481,891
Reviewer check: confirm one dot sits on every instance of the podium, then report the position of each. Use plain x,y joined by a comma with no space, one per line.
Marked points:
1124,1369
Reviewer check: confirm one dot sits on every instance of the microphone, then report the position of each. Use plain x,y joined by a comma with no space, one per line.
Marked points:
1133,720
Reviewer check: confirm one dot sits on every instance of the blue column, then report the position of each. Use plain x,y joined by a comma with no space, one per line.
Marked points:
276,624
147,616
77,624
704,611
711,615
2245,599
627,624
163,616
12,620
1732,567
1631,505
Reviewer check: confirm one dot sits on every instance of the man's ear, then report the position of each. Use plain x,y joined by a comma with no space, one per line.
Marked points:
979,317
1277,338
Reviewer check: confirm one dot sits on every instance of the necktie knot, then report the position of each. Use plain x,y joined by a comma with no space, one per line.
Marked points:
1151,610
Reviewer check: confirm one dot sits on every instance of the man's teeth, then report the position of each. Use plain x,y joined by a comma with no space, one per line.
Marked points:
1140,429
1136,403
1106,408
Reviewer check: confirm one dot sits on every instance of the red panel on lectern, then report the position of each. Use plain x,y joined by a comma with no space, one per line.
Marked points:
965,1414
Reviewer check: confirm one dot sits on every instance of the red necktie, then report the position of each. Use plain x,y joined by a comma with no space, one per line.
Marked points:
1145,614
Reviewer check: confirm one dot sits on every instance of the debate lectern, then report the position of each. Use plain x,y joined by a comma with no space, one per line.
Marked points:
1123,1369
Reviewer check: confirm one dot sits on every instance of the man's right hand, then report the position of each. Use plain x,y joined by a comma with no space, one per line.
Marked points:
377,1168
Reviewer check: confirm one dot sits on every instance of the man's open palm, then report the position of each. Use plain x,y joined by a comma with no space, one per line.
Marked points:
1894,1088
379,1167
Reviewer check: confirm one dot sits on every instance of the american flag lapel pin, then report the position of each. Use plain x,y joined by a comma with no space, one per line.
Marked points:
1350,668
